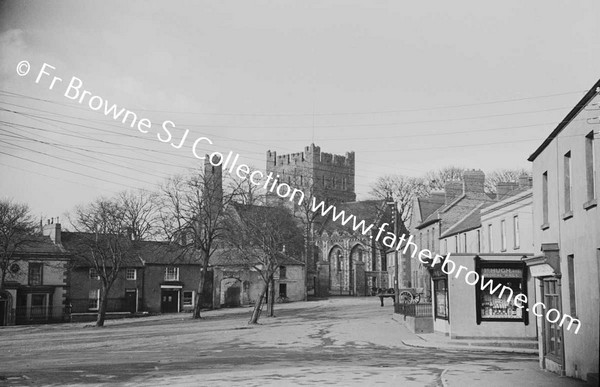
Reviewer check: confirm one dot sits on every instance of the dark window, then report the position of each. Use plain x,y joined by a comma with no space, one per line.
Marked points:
38,305
567,179
35,274
188,298
590,167
282,272
94,273
283,290
571,272
545,197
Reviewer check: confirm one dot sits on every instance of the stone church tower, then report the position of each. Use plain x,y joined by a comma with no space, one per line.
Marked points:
319,174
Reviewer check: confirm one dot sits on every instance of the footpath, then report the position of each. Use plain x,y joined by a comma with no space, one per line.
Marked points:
524,371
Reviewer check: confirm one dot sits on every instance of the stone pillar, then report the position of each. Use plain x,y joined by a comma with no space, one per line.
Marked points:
360,280
322,285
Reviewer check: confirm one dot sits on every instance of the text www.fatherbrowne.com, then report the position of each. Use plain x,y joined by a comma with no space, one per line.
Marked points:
76,92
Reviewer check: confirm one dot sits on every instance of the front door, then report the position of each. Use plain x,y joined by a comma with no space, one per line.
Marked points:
169,301
3,313
232,296
131,300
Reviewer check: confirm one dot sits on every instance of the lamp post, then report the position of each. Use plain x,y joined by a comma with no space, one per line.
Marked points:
393,206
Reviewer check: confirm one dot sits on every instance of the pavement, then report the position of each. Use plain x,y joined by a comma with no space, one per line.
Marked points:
340,341
441,341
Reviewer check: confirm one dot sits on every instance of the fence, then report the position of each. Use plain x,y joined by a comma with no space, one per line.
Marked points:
413,310
41,314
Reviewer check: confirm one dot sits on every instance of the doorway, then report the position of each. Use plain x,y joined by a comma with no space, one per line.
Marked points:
169,301
131,300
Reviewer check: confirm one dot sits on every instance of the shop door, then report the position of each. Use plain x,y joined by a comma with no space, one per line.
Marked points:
131,300
169,301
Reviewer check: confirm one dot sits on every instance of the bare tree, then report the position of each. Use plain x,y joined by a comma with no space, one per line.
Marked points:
503,176
436,180
16,230
141,213
192,214
402,190
103,243
264,238
246,192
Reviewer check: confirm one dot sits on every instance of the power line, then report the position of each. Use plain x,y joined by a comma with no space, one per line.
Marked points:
406,110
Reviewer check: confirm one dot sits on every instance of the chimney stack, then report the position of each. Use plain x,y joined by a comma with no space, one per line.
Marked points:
474,181
504,188
525,181
53,231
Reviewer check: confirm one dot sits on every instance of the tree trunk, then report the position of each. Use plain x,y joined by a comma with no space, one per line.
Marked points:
200,294
258,305
271,298
103,302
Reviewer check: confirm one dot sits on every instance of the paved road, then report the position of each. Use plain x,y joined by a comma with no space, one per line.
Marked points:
334,342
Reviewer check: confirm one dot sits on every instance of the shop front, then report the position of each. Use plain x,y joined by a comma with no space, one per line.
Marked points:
485,309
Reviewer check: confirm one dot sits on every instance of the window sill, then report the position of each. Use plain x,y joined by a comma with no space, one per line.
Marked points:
545,226
591,204
567,215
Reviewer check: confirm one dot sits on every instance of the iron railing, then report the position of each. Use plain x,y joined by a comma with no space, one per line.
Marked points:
413,310
42,314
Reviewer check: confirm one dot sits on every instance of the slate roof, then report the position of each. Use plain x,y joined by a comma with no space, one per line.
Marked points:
452,213
39,245
371,211
469,222
150,252
429,205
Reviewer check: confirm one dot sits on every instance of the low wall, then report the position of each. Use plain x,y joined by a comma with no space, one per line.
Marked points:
419,324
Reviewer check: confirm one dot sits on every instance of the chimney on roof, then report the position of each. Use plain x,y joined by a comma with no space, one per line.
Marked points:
525,181
452,190
437,195
504,188
474,181
53,231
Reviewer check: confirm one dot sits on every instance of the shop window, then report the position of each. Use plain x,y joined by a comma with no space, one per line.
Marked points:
35,274
508,280
440,289
188,298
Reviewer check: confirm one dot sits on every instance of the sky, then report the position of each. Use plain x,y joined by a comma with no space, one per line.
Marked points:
408,86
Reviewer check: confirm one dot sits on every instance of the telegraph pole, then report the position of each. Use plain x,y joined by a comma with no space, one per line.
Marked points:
393,206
